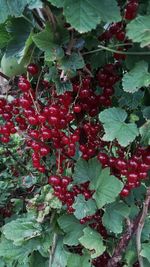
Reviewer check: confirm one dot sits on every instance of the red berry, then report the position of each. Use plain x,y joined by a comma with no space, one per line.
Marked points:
54,180
33,69
24,85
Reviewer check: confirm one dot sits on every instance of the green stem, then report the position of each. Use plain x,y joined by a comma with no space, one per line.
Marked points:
116,51
52,251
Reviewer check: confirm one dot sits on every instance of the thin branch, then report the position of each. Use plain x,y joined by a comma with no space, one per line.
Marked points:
88,71
124,241
50,17
52,251
39,18
123,52
101,47
141,225
4,76
70,45
38,83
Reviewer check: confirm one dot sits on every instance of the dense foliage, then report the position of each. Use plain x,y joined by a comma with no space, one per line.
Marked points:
75,133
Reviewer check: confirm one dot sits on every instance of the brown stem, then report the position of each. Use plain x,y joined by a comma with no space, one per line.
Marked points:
37,14
124,241
141,225
38,83
4,76
50,16
70,45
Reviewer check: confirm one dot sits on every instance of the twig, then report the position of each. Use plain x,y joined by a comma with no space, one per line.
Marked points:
37,85
141,225
38,16
52,251
70,45
88,71
4,76
101,47
50,17
124,241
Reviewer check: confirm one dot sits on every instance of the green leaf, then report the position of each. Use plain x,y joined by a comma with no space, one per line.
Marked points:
4,36
61,255
20,29
45,41
73,229
11,252
98,59
146,113
92,241
84,207
2,263
37,260
76,260
15,8
57,3
109,11
114,215
84,15
132,101
107,187
115,126
21,229
145,133
131,60
34,4
73,62
138,30
11,8
62,87
145,252
86,171
146,230
136,78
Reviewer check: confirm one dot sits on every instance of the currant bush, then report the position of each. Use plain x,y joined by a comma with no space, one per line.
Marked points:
75,134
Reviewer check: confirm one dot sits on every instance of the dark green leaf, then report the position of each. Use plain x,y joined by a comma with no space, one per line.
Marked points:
145,133
114,215
57,3
86,171
71,63
4,36
84,15
146,113
73,229
131,101
45,41
20,29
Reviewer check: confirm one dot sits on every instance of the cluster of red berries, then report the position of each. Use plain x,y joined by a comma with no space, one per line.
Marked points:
42,121
134,169
107,78
67,196
114,30
46,124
